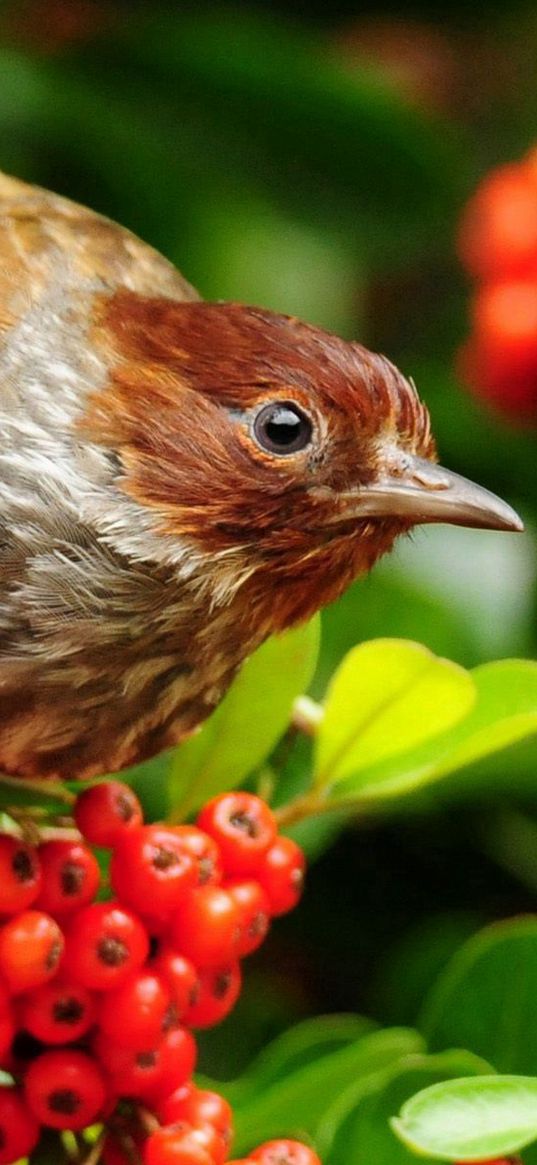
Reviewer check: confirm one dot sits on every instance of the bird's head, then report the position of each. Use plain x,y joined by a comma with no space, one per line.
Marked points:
282,456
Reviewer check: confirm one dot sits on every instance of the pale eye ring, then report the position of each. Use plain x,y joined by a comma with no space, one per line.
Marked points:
282,427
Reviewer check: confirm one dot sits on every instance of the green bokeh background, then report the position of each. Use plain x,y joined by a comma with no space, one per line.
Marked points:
315,159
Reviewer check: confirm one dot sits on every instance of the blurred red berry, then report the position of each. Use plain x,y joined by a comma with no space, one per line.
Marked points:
7,1024
31,948
284,1152
254,914
152,871
133,1013
19,1130
20,875
146,1073
70,876
65,1089
178,1053
498,230
281,874
243,827
206,927
199,1106
105,812
219,989
205,852
58,1012
105,943
180,1144
180,975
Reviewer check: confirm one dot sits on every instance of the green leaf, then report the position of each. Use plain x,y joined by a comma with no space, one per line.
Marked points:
293,1049
504,713
356,1127
292,1102
470,1119
388,696
250,720
485,998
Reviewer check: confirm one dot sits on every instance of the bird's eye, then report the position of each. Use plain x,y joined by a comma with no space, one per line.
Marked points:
282,427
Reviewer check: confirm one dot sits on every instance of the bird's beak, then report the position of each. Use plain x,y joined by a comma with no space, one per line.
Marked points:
422,491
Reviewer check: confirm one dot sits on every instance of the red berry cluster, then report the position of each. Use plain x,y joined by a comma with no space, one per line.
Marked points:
498,246
98,997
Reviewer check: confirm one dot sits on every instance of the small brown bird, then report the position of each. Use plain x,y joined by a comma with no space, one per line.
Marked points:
179,479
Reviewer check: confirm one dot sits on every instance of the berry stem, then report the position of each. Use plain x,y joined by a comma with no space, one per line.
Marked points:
307,715
310,804
95,1153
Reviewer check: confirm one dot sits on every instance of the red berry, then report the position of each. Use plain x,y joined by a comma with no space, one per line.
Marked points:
58,1012
489,372
205,852
19,1130
105,944
70,876
105,812
199,1106
219,989
180,975
20,875
7,1024
206,927
254,914
133,1014
243,827
284,1152
498,231
152,871
180,1144
178,1054
31,947
147,1073
281,874
65,1089
500,360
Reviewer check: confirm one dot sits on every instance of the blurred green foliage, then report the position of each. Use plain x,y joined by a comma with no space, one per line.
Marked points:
315,159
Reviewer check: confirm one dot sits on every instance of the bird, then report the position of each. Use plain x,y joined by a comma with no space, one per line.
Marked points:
179,480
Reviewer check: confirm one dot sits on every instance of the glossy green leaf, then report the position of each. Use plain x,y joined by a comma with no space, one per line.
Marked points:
470,1119
387,697
504,713
485,997
292,1103
249,721
356,1127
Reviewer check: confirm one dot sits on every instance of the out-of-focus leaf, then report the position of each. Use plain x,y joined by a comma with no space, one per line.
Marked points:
249,721
387,697
485,997
356,1127
505,712
52,796
300,1045
293,1102
276,80
390,603
470,1119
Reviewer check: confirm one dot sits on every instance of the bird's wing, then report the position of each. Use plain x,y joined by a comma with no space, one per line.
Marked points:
46,240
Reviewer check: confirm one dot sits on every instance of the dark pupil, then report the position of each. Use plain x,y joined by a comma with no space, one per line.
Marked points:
282,429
